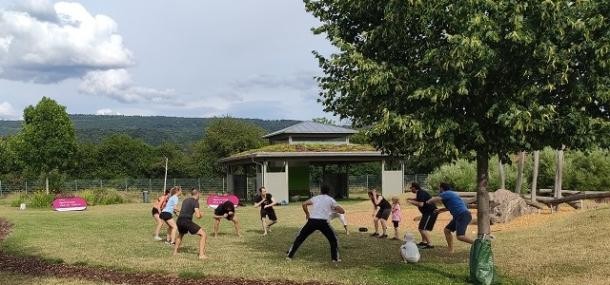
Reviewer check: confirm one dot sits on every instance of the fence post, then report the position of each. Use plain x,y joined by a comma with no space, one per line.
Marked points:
76,185
125,184
199,184
101,185
174,181
367,182
223,184
149,185
1,188
26,187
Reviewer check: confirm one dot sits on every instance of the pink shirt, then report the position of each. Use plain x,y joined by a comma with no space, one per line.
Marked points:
396,212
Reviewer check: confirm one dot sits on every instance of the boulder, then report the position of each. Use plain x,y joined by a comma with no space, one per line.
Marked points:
506,206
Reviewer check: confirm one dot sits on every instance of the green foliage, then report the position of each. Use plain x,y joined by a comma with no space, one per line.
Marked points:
309,148
223,138
96,197
123,156
323,120
21,198
39,200
47,140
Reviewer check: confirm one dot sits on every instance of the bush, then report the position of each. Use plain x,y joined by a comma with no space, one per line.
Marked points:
102,197
37,200
22,198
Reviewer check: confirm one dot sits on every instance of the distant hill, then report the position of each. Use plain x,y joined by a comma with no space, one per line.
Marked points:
153,130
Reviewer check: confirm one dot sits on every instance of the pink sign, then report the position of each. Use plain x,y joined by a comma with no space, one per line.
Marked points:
215,200
69,204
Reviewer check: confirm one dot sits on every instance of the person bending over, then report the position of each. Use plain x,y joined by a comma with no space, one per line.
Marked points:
225,210
428,215
459,211
190,207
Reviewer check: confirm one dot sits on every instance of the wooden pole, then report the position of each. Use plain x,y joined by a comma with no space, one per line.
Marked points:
502,175
165,179
558,175
535,175
520,166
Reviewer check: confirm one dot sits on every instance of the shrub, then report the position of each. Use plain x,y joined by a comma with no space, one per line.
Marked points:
102,197
22,198
37,200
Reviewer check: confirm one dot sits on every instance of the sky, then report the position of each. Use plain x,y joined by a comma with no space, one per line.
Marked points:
194,58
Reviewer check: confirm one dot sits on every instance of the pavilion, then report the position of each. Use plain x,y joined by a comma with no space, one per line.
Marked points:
283,167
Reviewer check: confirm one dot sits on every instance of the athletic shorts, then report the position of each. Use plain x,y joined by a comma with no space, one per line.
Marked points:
395,223
269,213
165,216
187,225
427,221
460,223
155,211
383,214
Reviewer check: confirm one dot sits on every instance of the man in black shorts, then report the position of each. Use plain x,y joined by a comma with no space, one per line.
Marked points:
190,207
225,210
428,218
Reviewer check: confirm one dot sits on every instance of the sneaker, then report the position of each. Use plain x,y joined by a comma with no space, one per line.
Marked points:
422,244
427,246
157,238
383,236
375,235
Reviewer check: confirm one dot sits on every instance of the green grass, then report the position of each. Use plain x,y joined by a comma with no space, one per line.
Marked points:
10,278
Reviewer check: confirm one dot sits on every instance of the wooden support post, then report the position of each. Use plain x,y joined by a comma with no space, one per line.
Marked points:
535,175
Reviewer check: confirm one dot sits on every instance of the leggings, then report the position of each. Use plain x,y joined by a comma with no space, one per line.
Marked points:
311,226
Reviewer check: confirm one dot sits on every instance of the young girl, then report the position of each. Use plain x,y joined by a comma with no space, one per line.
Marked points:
168,212
396,214
158,205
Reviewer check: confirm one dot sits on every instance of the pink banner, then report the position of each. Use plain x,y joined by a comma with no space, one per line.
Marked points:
215,200
69,204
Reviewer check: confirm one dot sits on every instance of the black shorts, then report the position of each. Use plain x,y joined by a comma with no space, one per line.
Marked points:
165,216
383,214
187,225
269,213
155,211
427,221
395,223
460,223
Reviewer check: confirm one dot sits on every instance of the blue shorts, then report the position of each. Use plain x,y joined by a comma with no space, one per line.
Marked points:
460,223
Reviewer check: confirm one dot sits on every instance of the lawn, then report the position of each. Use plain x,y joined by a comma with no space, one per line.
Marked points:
120,237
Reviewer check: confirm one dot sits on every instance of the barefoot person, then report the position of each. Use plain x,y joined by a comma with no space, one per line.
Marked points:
185,223
168,212
266,202
381,212
225,210
322,206
461,215
428,214
156,210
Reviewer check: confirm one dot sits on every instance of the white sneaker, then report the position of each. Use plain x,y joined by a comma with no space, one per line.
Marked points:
157,238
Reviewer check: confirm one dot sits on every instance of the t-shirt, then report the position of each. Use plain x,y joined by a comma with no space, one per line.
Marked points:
268,200
423,196
396,213
188,208
225,208
322,208
384,204
453,203
171,204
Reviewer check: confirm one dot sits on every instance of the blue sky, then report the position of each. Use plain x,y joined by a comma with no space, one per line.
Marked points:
192,58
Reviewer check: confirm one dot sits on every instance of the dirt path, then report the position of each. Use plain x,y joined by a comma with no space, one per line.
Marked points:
33,266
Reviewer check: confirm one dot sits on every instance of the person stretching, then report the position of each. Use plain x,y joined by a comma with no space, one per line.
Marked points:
266,202
225,210
185,223
381,212
157,206
461,215
428,215
322,206
167,214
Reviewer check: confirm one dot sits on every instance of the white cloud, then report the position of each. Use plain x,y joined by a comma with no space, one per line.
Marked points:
7,112
107,112
117,84
47,43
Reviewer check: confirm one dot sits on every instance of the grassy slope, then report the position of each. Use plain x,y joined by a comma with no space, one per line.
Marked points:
119,236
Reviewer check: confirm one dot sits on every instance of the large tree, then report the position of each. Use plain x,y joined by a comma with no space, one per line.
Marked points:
445,78
121,156
224,137
47,141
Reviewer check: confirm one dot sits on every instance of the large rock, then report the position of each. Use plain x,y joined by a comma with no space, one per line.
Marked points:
506,206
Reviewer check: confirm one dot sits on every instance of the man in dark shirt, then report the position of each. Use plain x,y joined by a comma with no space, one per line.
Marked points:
428,218
225,210
185,223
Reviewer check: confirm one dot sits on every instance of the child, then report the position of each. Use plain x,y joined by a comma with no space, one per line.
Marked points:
396,215
409,250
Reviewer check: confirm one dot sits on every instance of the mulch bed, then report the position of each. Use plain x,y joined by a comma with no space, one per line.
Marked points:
33,266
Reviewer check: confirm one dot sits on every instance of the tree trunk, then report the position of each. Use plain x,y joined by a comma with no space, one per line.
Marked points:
558,175
535,174
519,182
483,221
502,175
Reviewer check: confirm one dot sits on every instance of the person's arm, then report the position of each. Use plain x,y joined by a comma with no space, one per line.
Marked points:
338,209
415,203
258,204
434,200
273,203
198,214
378,200
441,210
305,206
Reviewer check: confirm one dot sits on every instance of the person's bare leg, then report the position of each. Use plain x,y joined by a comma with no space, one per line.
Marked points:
178,241
202,243
384,226
346,230
465,239
426,236
168,237
216,226
264,225
376,223
236,224
159,225
449,238
396,233
174,230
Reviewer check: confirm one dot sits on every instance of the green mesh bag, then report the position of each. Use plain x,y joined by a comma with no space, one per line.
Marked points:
482,271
